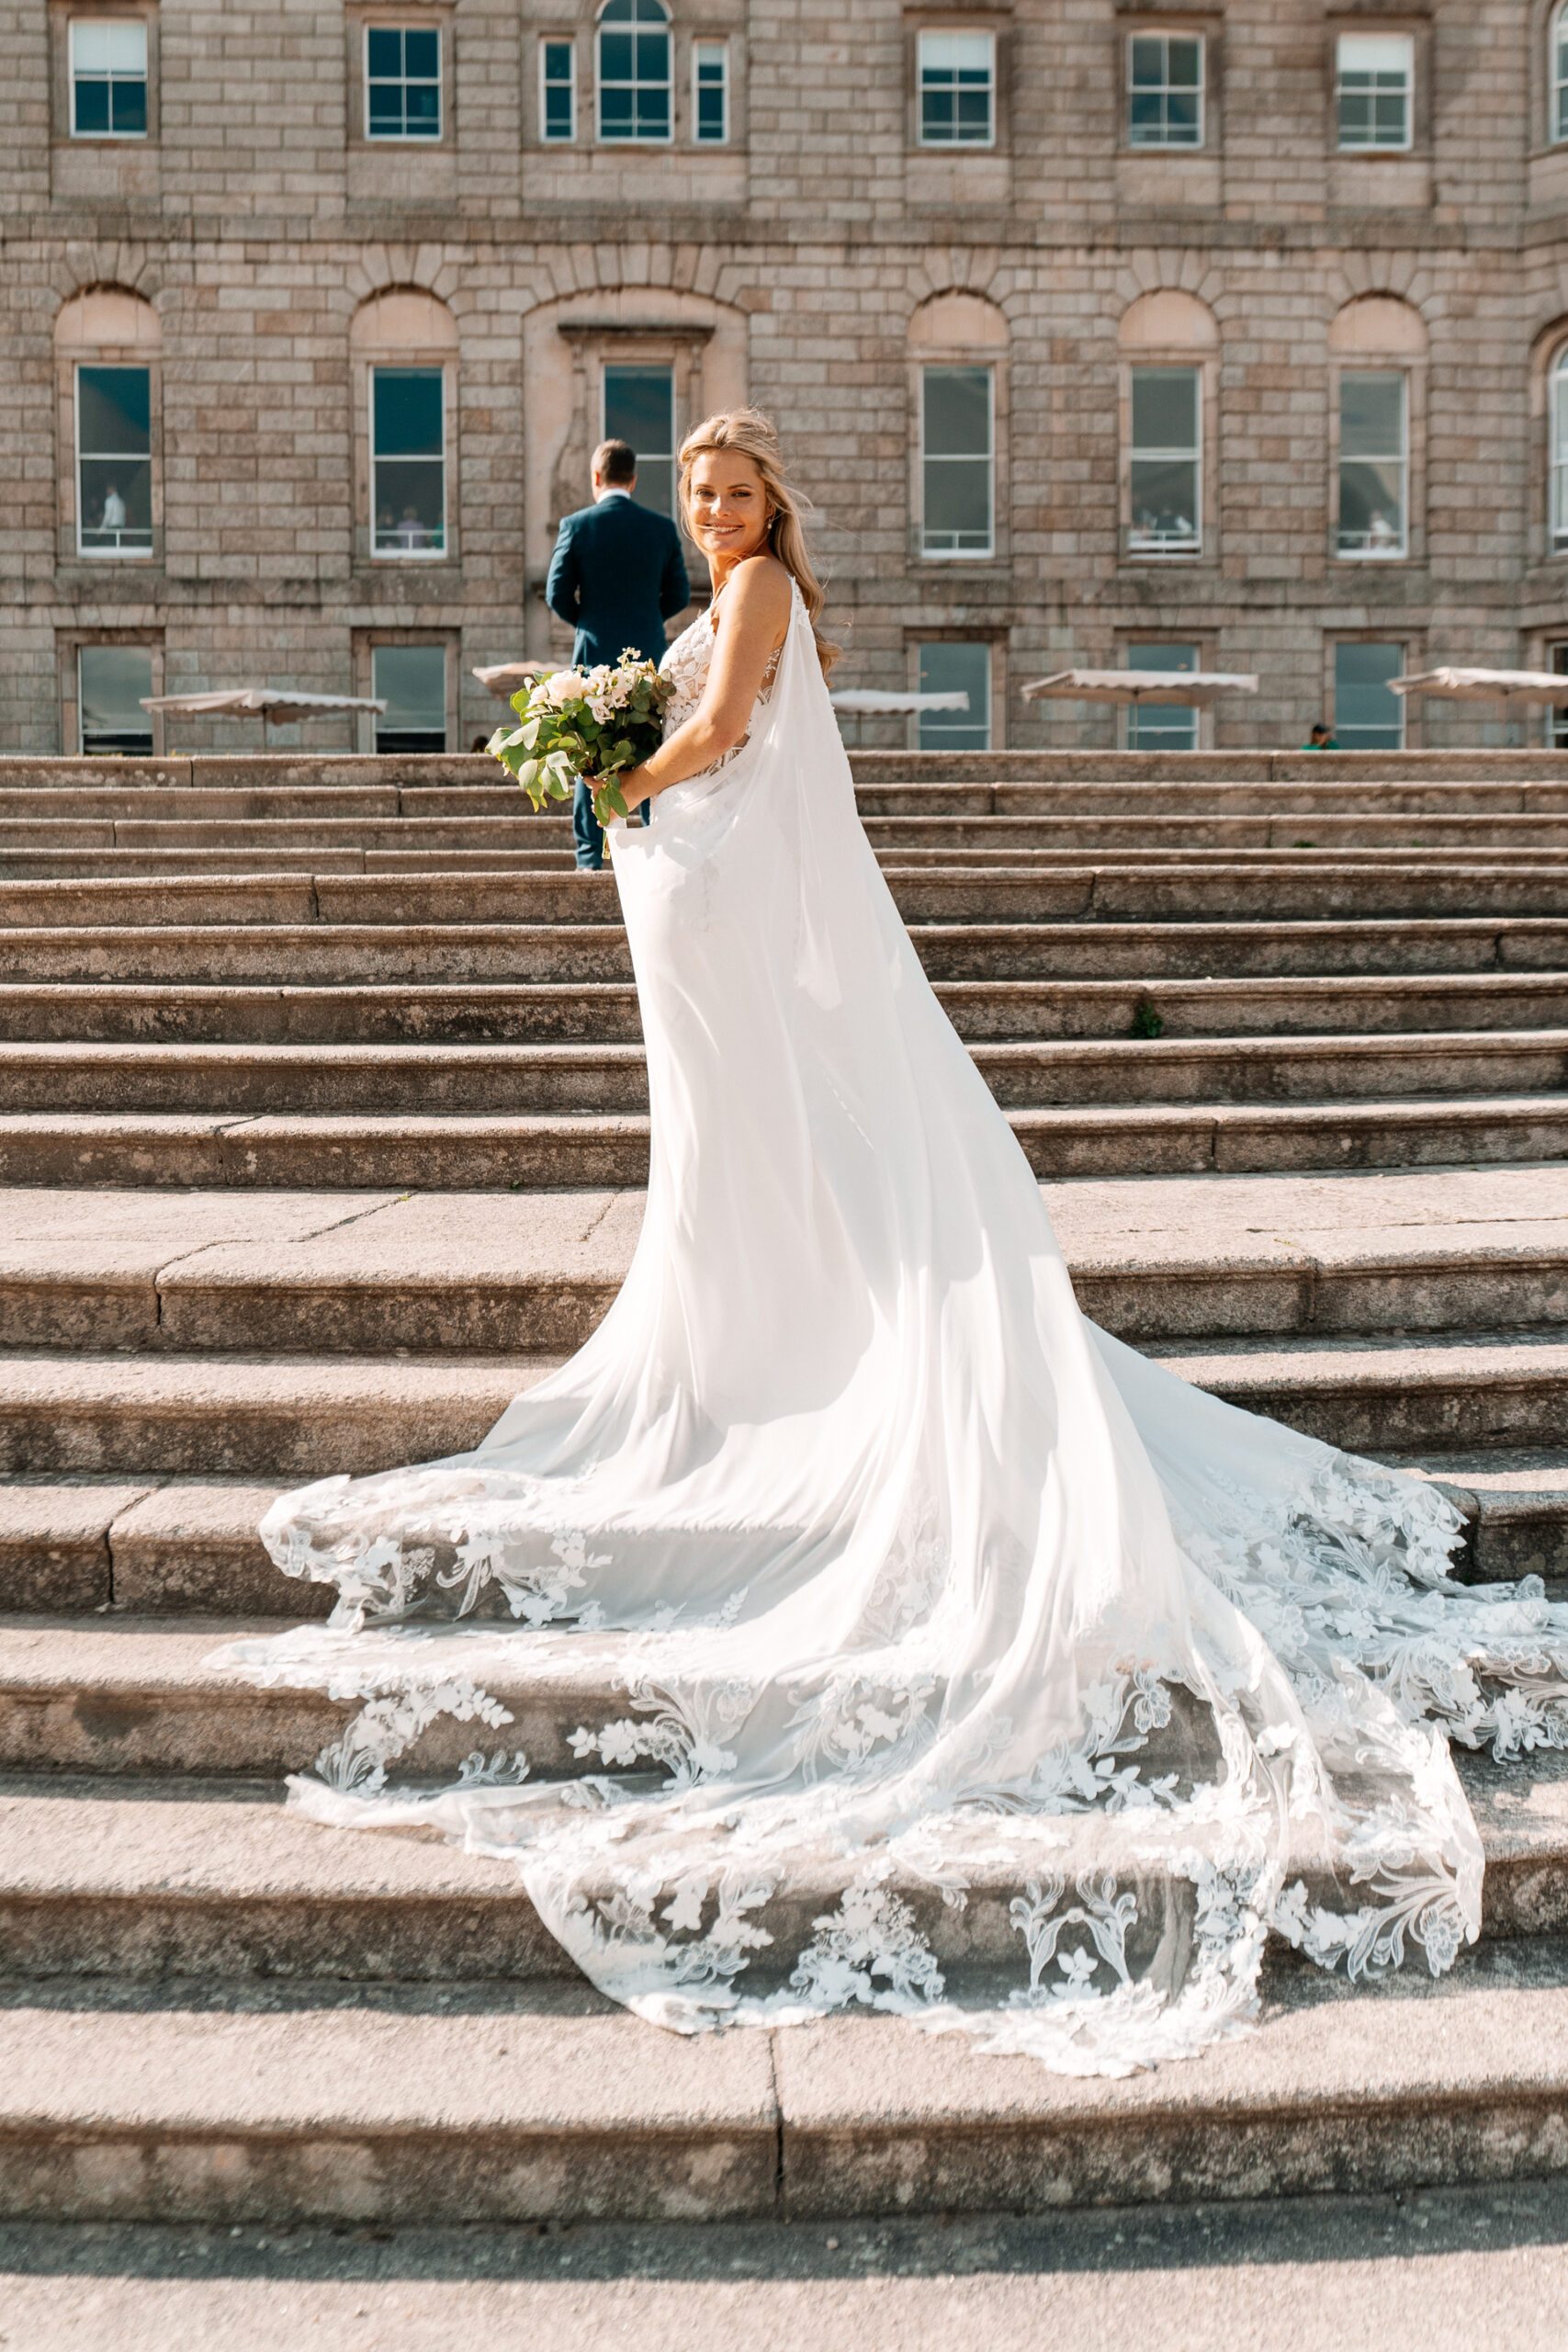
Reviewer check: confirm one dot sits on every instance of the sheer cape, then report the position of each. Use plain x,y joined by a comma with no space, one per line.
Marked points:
965,1663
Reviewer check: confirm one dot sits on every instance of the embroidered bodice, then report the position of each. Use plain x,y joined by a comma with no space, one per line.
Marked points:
688,662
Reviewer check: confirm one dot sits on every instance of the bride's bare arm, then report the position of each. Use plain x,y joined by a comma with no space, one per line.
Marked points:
753,626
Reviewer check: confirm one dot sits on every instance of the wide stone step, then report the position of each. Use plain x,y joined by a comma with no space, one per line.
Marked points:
414,957
532,2104
290,1150
522,1274
568,1080
1418,1393
212,1416
303,1417
606,1012
173,1546
1301,890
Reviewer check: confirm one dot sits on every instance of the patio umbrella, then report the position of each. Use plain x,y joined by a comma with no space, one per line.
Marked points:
506,678
1195,688
1486,685
275,706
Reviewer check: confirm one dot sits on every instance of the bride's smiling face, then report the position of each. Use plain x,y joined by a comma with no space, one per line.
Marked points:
728,506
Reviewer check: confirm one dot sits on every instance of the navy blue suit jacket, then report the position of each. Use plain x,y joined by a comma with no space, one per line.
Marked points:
617,576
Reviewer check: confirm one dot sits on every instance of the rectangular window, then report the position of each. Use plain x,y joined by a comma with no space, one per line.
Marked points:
948,669
1376,76
1166,470
1557,717
1162,726
958,81
710,92
558,90
114,461
411,680
1373,464
408,461
1559,75
110,682
108,78
1367,716
956,461
402,82
634,50
639,409
1165,90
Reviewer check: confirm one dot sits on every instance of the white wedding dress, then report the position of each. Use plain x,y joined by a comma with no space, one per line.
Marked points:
970,1666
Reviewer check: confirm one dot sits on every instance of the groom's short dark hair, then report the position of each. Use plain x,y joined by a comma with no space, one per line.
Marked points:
616,461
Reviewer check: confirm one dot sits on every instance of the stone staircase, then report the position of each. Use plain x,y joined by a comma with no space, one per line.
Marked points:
323,1118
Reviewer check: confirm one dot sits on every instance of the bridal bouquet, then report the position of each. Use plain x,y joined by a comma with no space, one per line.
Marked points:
589,723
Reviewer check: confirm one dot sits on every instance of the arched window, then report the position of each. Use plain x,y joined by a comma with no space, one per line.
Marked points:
107,348
1557,414
1557,72
1377,349
634,76
403,345
1167,342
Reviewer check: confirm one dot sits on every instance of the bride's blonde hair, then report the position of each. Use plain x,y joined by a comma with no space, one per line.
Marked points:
751,435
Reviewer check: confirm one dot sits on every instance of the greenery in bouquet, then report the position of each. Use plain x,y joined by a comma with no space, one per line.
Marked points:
593,724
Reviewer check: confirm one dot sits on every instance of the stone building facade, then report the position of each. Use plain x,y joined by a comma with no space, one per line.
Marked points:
1101,332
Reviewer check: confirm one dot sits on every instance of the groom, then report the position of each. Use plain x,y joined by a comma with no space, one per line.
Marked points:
617,576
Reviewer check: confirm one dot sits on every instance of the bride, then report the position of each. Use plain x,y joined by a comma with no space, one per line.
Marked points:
941,1652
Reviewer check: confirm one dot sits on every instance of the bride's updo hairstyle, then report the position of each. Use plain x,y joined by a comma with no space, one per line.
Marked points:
751,435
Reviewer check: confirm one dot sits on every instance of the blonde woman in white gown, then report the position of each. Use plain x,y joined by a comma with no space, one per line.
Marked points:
970,1666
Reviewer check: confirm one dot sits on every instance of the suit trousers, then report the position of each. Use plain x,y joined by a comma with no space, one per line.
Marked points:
588,834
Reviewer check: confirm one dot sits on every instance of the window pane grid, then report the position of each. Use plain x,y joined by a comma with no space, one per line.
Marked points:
1367,716
639,409
1373,90
1161,726
634,70
1164,91
402,82
558,90
1556,715
108,78
1165,462
411,680
1559,75
1373,464
957,461
110,682
957,89
1559,411
948,668
114,461
710,91
408,461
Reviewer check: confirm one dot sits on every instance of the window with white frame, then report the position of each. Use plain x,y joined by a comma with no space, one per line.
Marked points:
710,92
1557,423
411,680
114,461
634,51
1557,72
1162,726
639,409
948,668
109,77
958,89
402,82
1375,87
1165,90
1374,464
1368,715
957,461
1557,716
112,681
1165,462
408,461
557,89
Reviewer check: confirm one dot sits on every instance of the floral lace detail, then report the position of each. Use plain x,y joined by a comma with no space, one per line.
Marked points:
687,662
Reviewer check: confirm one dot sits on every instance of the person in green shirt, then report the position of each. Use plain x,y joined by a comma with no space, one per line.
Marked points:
1320,740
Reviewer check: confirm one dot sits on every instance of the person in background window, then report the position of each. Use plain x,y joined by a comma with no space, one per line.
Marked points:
411,532
1320,740
617,575
1381,532
114,510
